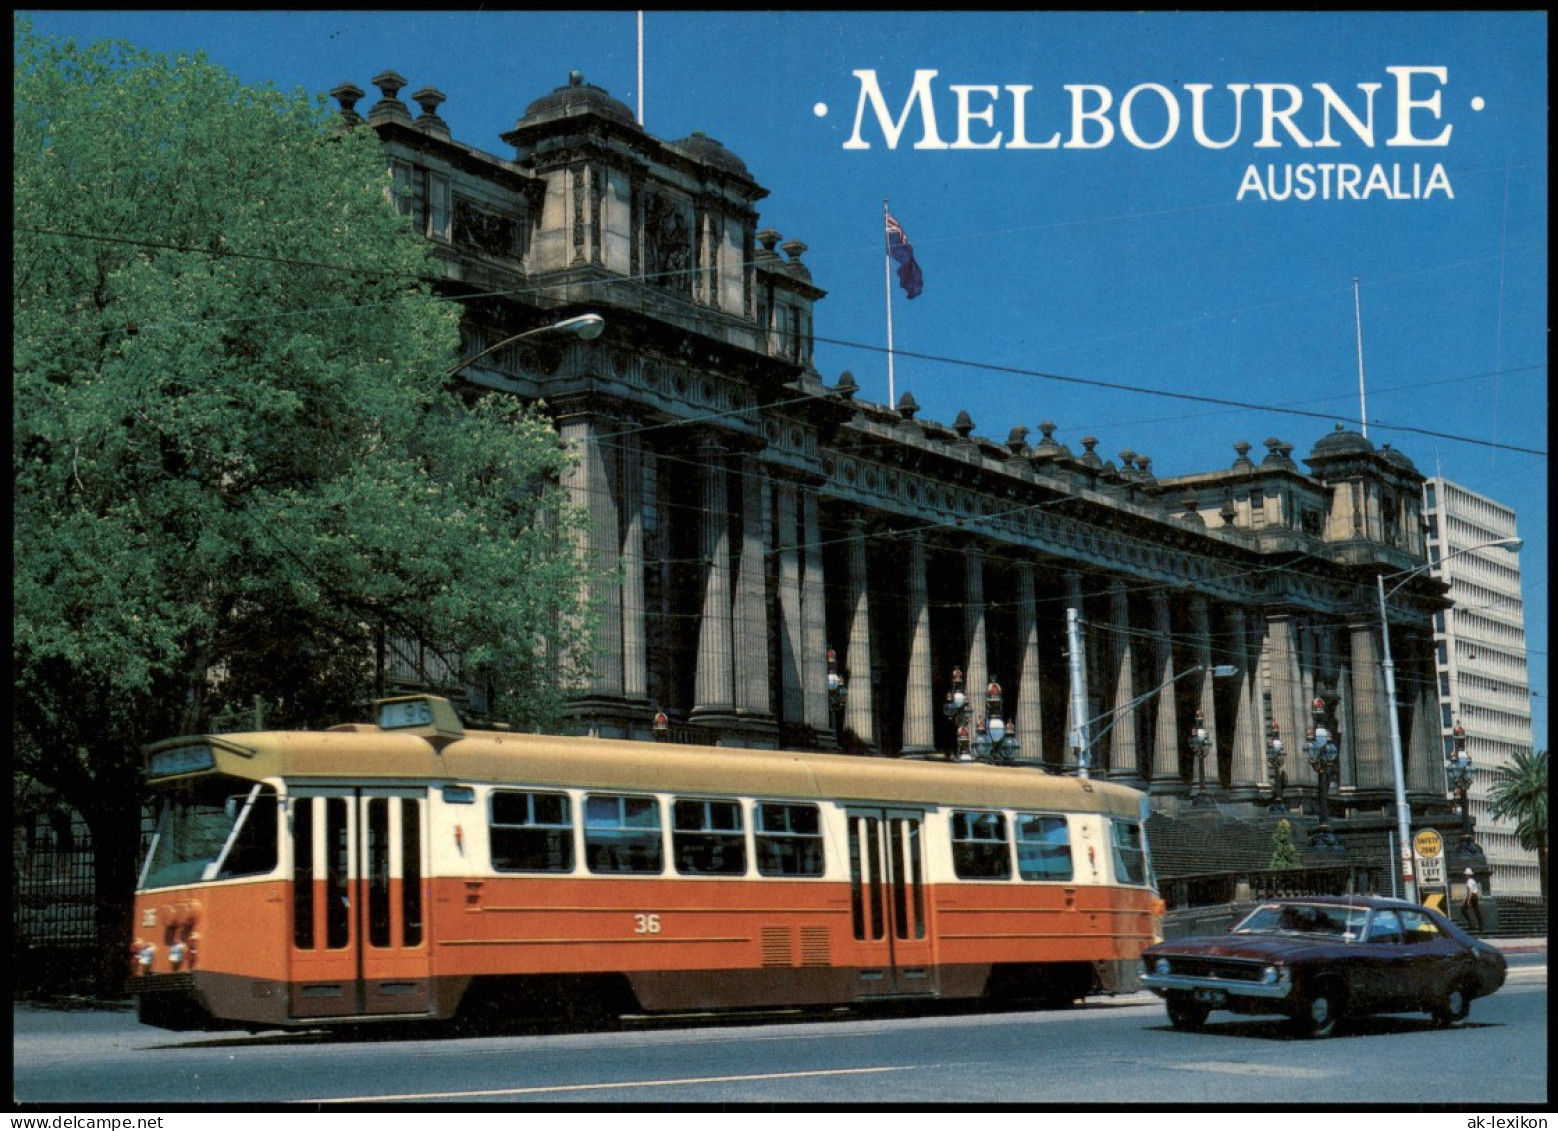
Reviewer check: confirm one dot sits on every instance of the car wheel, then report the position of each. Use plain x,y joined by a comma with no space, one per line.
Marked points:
1453,1007
1185,1012
1319,1011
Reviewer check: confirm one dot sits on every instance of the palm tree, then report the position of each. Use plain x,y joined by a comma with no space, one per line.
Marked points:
1520,791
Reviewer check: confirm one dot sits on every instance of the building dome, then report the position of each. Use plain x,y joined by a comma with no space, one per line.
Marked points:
578,97
1397,458
1343,442
704,148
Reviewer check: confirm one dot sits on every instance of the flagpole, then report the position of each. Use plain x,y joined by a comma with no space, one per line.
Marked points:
1357,318
887,277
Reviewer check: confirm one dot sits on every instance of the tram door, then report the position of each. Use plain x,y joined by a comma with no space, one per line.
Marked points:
888,901
359,930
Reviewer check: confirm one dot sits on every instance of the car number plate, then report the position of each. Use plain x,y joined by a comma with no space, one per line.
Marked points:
1212,997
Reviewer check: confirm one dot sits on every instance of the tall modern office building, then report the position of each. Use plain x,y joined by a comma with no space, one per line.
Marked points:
1481,646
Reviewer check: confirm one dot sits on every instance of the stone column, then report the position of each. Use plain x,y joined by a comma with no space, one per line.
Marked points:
635,651
1248,768
714,695
1124,757
1028,716
590,487
859,716
787,548
1163,769
754,695
919,722
814,625
1291,713
1201,625
976,671
1425,755
1371,730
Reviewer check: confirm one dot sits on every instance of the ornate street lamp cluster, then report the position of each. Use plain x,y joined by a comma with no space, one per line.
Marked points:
1276,755
1459,770
1200,746
1323,753
993,738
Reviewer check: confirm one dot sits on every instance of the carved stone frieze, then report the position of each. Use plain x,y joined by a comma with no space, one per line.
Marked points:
486,230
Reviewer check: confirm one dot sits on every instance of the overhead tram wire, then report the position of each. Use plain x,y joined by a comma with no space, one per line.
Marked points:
934,358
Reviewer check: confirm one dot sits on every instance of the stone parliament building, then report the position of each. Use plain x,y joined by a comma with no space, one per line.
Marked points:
749,518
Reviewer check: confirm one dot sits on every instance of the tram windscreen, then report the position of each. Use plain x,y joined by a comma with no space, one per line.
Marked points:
218,828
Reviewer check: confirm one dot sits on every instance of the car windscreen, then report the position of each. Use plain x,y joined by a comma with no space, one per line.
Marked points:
1327,920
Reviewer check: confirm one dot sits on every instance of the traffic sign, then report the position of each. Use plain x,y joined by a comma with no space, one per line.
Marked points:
1428,848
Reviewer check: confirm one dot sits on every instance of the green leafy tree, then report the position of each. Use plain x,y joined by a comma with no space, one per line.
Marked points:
1284,853
238,469
1520,793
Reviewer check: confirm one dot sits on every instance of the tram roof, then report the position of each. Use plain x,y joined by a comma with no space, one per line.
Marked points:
363,752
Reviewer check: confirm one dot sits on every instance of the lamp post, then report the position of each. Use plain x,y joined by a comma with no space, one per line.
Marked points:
1404,814
661,727
1198,747
585,327
1276,755
995,739
1322,758
992,738
1459,770
838,693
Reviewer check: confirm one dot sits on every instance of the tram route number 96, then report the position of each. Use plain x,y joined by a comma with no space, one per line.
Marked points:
646,924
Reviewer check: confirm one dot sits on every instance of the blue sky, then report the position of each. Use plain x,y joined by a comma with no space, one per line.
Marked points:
1129,264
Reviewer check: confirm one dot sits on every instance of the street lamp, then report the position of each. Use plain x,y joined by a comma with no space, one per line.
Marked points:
956,709
1275,756
1322,758
995,740
1199,743
1085,752
1459,769
838,693
1404,814
585,327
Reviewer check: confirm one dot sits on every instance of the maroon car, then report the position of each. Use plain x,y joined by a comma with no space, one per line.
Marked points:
1315,959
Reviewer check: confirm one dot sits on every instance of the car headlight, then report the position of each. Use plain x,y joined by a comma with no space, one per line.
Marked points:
1160,966
1271,975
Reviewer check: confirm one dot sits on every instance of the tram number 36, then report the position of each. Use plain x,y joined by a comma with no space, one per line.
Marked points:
646,924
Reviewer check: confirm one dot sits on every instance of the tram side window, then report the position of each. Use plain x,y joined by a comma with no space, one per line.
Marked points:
708,838
531,832
622,834
1130,853
788,839
1043,847
979,849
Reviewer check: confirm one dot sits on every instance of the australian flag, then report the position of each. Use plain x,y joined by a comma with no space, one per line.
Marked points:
902,253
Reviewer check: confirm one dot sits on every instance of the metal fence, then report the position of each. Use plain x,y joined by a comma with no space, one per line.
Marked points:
53,902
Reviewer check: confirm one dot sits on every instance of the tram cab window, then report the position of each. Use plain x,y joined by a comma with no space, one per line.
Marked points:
979,848
1043,847
708,838
788,839
622,834
218,828
530,832
1130,852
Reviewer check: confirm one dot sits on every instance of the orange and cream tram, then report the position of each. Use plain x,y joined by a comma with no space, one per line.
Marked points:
412,869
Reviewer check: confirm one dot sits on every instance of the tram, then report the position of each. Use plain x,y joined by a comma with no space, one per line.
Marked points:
413,869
